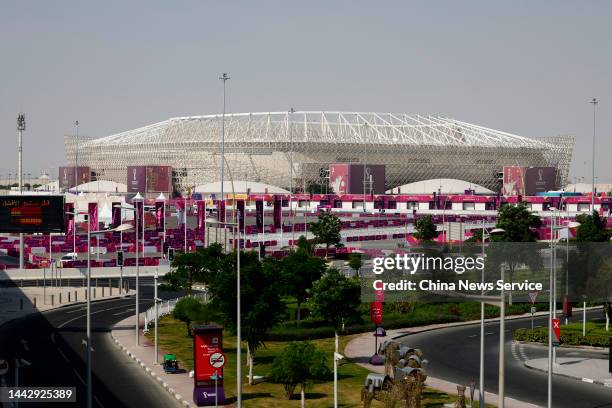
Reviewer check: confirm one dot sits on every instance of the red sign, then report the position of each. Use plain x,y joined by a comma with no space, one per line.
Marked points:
208,354
158,179
376,313
379,295
556,325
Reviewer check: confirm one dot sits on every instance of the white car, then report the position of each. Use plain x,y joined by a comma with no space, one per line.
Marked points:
69,257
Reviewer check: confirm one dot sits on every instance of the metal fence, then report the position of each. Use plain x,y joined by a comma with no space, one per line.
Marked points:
166,307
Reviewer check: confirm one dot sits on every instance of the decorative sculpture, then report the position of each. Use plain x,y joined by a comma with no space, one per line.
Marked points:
403,380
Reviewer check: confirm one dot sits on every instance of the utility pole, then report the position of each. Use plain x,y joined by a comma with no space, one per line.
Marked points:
76,159
21,126
594,102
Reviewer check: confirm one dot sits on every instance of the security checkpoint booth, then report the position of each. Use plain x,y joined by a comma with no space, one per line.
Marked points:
208,365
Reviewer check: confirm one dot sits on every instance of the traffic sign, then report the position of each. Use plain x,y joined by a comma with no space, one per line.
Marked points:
556,325
4,367
217,360
533,309
533,296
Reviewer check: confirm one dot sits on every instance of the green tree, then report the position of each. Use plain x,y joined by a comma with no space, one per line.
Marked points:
518,223
336,299
189,309
299,364
299,270
355,262
261,305
191,267
425,228
327,229
592,228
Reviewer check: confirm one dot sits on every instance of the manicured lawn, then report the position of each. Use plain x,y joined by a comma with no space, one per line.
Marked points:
571,334
268,395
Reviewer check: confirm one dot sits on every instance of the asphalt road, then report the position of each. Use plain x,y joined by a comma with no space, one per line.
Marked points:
453,355
52,343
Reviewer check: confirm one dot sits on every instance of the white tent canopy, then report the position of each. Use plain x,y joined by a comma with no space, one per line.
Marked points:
443,186
102,186
239,187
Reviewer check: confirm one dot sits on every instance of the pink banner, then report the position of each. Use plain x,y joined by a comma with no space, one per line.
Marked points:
93,216
201,206
139,205
160,216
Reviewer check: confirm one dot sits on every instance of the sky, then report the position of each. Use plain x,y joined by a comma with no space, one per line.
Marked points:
524,67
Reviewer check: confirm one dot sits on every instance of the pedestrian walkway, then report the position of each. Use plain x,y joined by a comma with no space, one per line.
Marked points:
179,385
361,348
20,301
590,370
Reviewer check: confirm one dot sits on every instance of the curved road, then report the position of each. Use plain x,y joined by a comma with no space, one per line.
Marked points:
453,355
52,343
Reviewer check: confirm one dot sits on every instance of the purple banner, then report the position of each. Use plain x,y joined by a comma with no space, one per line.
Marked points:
259,214
116,215
67,179
201,206
69,207
277,214
137,179
240,208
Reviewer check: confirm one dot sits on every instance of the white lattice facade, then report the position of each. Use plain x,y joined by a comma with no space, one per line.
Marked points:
258,147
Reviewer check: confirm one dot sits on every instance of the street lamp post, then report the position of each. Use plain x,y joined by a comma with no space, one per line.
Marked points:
291,111
21,126
120,228
502,340
481,390
224,77
594,102
136,218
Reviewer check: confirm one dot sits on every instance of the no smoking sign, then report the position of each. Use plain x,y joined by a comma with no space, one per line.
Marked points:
217,360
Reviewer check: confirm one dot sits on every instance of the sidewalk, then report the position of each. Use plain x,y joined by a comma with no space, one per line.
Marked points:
591,370
360,349
178,385
17,302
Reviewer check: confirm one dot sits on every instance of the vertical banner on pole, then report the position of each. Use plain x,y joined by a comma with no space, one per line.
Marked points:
93,216
259,209
159,215
201,206
69,207
278,202
221,210
139,205
116,215
240,207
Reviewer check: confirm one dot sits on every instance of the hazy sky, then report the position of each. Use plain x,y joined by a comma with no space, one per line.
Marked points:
528,67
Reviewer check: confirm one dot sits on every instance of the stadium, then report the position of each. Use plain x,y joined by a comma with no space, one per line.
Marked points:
259,147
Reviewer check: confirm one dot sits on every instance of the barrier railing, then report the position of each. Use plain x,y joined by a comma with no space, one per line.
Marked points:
166,307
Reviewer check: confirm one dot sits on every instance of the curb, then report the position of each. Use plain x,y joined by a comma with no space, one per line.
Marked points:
603,350
150,372
583,379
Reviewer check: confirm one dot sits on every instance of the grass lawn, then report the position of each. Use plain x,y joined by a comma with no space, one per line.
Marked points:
173,339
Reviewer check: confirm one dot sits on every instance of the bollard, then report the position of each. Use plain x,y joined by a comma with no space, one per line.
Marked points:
34,307
85,294
60,298
68,297
52,300
94,296
102,291
96,282
76,298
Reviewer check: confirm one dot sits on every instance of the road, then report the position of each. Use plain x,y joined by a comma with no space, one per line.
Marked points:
52,343
453,355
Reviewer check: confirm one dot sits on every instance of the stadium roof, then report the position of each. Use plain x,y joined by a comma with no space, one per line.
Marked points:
317,126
